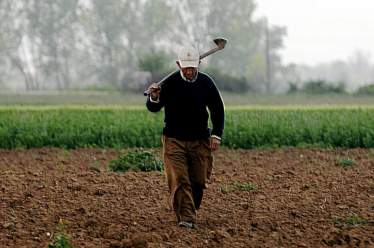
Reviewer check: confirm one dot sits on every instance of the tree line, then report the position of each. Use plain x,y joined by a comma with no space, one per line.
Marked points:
65,44
354,75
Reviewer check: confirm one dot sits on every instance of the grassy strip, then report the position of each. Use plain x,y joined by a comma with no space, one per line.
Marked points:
117,126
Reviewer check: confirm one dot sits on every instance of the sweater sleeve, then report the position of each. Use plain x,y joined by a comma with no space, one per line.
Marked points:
154,106
217,110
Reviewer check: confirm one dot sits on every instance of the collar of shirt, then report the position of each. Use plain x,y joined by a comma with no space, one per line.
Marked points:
185,79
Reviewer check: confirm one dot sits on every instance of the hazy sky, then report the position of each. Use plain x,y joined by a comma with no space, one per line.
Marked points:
322,30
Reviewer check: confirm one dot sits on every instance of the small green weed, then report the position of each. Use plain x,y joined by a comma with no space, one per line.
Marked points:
136,160
64,153
371,152
95,166
346,162
237,186
244,186
61,241
355,221
225,189
352,220
337,221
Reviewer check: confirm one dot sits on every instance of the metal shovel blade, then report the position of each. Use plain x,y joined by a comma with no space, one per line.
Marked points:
220,42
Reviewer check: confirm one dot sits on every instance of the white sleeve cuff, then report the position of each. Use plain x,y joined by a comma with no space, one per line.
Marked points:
216,137
154,101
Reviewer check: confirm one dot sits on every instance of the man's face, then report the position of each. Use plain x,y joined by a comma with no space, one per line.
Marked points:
190,73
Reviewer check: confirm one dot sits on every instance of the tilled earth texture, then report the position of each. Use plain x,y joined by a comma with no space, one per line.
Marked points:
256,198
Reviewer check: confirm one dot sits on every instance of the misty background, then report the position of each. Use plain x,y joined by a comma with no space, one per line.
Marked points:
124,45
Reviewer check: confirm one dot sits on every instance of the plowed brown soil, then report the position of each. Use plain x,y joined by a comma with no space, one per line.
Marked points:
303,198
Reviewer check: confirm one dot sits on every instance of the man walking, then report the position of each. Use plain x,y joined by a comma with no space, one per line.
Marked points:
187,141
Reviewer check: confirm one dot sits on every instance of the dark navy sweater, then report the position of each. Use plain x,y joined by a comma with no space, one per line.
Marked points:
186,103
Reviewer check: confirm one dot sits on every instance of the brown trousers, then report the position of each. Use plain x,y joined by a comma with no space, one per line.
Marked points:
188,166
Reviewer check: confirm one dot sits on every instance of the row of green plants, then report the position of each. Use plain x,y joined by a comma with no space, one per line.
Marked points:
136,127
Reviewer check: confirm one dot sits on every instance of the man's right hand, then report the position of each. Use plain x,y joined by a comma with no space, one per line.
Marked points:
154,91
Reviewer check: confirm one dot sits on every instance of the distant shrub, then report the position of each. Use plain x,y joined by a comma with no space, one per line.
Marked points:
292,88
155,62
226,82
137,160
366,90
323,87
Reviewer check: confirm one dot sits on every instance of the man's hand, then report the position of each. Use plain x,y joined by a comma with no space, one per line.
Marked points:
154,90
214,143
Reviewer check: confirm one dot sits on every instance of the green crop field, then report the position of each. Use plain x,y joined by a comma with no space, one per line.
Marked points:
246,127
